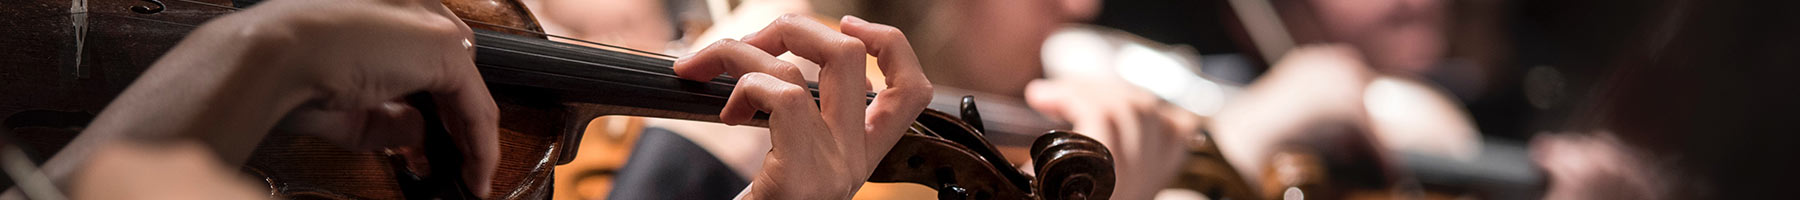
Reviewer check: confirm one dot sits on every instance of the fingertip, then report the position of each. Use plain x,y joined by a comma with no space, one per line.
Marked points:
1044,96
1040,89
737,108
687,68
472,117
689,73
479,172
848,19
734,115
789,16
479,182
682,60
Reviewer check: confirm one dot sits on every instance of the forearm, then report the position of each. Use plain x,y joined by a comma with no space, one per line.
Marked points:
219,86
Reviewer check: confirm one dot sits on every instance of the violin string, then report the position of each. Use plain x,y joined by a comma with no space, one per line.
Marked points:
633,70
153,20
665,56
572,39
232,8
482,23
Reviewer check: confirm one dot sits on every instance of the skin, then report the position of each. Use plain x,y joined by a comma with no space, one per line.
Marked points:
310,68
822,150
995,46
1311,86
1397,36
1146,136
336,69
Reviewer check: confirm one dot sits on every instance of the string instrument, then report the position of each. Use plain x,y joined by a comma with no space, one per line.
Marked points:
66,59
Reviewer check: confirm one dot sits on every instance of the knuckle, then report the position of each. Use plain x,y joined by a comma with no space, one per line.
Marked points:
787,71
273,34
487,113
922,91
919,95
787,20
464,29
889,32
728,42
848,46
444,27
723,43
791,19
754,78
790,94
779,93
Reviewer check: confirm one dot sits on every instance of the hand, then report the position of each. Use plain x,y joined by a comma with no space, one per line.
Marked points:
1146,135
1313,98
333,68
823,150
363,57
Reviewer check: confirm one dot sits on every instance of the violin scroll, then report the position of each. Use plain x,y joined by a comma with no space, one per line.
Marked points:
1071,166
949,154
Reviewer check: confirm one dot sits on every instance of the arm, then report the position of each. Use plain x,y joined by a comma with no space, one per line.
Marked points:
328,68
205,89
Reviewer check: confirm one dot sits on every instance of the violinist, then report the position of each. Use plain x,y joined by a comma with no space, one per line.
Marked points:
1035,50
337,68
1364,55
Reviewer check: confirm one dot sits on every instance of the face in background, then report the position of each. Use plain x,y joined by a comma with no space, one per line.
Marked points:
1396,36
990,46
637,24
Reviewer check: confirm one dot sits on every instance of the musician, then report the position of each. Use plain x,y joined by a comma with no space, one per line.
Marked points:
338,68
1008,47
1365,54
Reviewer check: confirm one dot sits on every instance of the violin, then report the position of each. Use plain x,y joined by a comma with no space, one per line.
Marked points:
67,59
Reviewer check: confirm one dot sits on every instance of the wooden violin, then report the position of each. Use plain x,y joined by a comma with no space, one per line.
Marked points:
65,60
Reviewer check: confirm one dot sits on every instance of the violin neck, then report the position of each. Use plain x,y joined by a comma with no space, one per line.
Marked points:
593,81
597,82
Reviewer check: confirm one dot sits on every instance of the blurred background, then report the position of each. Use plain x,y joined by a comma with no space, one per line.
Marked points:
1333,99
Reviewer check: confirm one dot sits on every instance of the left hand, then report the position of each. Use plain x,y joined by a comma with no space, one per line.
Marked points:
827,149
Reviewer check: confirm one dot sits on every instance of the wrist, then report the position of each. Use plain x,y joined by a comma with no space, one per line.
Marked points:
226,84
765,186
260,65
196,90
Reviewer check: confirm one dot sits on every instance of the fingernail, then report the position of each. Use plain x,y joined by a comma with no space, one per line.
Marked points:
853,18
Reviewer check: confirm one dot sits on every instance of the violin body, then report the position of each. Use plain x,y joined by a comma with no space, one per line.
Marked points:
66,60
